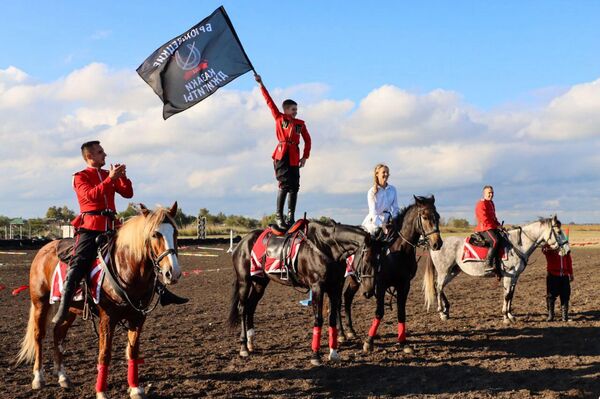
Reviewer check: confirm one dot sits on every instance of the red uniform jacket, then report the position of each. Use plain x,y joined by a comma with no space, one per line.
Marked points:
96,192
558,265
485,213
288,131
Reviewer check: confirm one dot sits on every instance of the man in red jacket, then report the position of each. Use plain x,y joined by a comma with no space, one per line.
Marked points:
286,157
488,226
558,281
95,188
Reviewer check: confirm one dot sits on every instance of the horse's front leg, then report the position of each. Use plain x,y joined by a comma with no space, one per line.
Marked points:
133,359
401,298
317,305
59,334
335,295
106,330
509,292
379,312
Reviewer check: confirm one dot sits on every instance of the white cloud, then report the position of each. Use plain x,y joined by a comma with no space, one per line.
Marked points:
218,152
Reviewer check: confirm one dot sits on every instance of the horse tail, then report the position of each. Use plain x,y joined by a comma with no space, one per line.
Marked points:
428,282
234,313
27,352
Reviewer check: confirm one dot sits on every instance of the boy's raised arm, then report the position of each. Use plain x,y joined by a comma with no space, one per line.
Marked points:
267,96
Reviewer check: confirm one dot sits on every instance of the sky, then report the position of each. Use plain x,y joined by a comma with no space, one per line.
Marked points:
451,95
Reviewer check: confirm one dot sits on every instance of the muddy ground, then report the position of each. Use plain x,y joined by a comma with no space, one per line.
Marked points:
190,353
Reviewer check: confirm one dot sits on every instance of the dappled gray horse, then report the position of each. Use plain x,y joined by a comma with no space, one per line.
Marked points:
447,263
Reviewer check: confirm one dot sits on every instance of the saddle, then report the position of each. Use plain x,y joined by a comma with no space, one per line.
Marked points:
276,252
64,249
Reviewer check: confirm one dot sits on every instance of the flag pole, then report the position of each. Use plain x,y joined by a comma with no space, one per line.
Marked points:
237,38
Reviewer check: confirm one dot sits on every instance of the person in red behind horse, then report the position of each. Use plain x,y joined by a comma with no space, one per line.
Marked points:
558,281
489,227
95,188
286,157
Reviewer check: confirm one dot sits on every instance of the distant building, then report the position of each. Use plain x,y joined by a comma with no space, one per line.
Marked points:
68,231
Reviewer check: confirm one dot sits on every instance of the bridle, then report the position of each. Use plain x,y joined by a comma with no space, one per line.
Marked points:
360,253
423,241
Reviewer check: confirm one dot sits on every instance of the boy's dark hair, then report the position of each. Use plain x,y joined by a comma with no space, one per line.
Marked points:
88,146
289,103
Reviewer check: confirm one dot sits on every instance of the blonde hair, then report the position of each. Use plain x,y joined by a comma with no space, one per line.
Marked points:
135,234
377,168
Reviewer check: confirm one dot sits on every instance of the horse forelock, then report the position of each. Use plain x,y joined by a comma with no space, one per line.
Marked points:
135,234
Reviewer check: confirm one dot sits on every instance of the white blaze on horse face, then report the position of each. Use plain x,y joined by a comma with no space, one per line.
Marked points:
168,232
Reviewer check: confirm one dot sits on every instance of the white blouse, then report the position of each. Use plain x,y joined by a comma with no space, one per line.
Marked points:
386,200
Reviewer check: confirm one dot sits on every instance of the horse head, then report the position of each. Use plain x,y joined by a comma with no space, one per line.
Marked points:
161,238
551,233
428,221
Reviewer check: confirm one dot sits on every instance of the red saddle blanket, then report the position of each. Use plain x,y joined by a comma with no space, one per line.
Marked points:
350,266
275,254
473,253
96,275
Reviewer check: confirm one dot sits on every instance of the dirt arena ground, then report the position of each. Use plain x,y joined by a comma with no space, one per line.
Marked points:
190,353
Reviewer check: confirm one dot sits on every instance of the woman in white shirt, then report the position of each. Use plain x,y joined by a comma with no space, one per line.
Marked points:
383,201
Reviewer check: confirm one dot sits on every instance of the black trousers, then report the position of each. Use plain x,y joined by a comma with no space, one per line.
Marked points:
558,286
492,238
288,176
85,252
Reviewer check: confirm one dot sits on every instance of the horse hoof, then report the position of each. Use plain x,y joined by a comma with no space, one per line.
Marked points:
37,384
250,346
351,335
101,395
512,318
244,353
137,393
341,339
408,350
506,321
64,382
334,356
315,360
444,316
368,347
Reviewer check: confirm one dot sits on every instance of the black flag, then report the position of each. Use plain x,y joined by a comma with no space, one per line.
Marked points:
192,66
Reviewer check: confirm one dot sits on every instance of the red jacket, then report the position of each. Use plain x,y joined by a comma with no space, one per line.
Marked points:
485,213
556,264
288,131
96,192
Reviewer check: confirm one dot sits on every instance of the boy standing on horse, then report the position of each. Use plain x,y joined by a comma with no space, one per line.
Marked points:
286,157
95,188
489,227
558,281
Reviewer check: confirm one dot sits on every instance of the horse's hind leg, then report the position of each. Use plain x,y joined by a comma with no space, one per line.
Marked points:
349,293
59,334
244,291
442,282
335,294
317,305
256,293
401,298
106,330
509,292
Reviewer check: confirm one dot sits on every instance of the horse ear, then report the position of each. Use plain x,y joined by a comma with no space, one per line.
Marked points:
173,210
432,199
143,210
416,199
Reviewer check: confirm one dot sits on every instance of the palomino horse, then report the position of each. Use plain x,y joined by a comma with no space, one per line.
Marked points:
447,263
320,268
398,266
145,246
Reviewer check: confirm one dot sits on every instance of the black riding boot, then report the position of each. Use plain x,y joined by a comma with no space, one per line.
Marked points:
292,199
279,214
167,297
564,309
70,286
550,304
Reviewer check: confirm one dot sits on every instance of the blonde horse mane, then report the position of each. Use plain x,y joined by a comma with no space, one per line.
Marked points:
135,234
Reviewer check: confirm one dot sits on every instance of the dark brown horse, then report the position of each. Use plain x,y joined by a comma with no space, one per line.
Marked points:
397,267
145,247
320,268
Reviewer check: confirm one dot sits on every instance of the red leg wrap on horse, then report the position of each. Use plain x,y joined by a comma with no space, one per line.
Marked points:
101,382
132,372
401,332
374,327
333,344
316,341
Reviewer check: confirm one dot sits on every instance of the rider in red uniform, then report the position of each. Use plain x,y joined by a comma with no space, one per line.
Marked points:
488,225
558,281
286,157
95,188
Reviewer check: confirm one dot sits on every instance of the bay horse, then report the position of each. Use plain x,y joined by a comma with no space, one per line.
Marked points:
447,263
145,247
320,268
397,267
